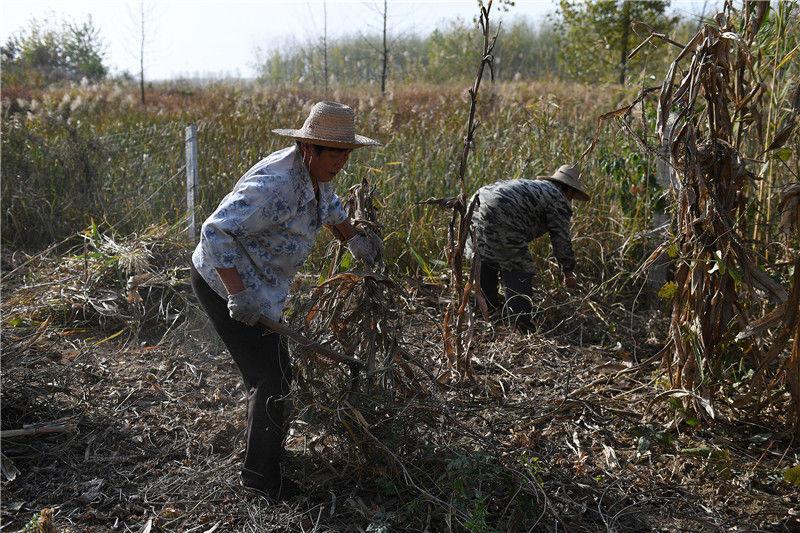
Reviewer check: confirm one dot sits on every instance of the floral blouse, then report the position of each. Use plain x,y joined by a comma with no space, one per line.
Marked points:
265,228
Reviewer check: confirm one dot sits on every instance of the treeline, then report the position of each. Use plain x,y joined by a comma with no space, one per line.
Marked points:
584,40
587,41
524,51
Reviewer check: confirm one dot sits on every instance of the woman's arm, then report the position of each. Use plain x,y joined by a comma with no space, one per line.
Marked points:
343,231
231,279
363,246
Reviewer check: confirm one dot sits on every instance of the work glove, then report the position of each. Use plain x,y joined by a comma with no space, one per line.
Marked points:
366,246
243,306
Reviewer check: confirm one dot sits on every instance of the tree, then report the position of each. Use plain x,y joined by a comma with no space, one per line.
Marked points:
385,54
84,51
141,26
46,53
141,52
595,36
325,43
379,43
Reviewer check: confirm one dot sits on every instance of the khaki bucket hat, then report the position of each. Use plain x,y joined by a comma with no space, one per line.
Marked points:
569,175
329,124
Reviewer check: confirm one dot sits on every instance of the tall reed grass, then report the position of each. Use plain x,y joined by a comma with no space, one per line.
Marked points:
93,153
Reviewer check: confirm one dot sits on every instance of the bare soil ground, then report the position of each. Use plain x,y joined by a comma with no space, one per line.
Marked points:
564,429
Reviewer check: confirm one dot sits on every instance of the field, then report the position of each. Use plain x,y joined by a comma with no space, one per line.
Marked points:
129,414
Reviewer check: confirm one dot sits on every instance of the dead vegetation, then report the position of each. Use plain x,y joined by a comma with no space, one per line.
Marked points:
567,428
121,412
732,321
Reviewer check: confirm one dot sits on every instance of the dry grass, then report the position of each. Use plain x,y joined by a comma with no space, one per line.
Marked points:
130,415
564,428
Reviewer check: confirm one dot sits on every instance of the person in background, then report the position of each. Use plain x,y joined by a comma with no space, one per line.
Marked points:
510,215
250,249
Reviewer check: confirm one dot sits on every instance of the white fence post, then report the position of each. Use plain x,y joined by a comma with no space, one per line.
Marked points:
191,177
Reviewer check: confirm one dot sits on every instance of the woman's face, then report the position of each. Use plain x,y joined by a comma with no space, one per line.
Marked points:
324,166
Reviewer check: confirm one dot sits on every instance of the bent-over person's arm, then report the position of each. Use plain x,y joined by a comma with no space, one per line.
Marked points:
558,225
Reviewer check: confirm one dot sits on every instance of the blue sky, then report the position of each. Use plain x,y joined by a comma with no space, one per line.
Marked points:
204,38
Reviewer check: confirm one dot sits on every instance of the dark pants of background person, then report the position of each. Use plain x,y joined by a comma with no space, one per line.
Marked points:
519,293
263,360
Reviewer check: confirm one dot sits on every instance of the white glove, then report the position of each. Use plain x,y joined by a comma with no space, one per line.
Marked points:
366,246
243,306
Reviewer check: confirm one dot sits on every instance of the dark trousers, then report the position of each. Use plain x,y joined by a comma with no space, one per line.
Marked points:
518,287
263,360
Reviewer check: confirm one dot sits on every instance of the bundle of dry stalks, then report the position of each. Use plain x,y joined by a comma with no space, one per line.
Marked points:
722,328
361,314
358,309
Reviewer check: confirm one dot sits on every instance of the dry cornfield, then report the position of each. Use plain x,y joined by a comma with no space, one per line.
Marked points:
628,409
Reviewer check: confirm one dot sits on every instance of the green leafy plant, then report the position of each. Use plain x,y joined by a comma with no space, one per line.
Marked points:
792,475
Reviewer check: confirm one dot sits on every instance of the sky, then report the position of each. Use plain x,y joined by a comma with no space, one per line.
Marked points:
220,38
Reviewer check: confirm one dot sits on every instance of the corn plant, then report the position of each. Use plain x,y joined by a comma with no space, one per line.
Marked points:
717,118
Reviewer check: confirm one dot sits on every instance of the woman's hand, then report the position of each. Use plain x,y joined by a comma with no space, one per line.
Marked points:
243,306
366,246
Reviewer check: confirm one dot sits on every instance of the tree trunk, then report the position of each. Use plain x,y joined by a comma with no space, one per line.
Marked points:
626,29
325,44
385,50
141,53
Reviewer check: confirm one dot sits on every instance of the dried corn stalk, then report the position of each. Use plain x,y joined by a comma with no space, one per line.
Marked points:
359,310
361,314
789,209
708,115
457,327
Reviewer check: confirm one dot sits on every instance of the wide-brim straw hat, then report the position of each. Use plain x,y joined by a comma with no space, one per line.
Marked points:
569,175
330,124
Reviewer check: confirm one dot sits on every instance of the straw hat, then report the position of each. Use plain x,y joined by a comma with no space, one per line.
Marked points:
329,124
569,175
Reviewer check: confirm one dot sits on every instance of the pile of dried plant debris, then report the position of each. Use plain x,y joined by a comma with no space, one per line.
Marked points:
132,420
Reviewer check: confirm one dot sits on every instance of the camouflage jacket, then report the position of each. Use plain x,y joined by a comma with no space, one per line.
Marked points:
512,213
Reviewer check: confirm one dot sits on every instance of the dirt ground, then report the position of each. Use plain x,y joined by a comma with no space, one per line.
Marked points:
567,428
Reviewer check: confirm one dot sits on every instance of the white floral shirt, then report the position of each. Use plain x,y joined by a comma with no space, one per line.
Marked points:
265,228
